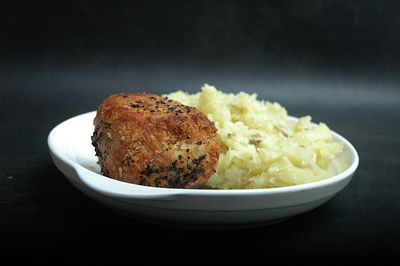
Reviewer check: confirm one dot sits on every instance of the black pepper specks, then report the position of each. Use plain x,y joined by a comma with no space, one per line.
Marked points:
198,160
173,175
155,104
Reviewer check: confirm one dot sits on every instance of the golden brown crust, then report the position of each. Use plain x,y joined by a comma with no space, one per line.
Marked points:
151,140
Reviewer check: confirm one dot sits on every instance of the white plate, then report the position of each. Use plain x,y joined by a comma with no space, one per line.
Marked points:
72,152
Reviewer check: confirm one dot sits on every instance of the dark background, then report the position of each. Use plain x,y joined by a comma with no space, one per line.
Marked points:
335,60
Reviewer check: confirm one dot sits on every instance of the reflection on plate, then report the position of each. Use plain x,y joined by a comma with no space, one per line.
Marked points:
72,152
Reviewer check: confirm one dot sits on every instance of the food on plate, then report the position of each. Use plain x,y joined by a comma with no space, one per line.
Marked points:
152,140
258,148
209,139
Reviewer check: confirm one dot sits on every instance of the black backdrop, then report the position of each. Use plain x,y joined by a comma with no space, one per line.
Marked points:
362,34
336,60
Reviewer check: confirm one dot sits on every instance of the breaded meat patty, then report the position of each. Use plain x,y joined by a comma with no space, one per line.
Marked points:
151,140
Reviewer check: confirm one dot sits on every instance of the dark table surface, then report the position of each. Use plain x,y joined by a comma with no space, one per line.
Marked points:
336,61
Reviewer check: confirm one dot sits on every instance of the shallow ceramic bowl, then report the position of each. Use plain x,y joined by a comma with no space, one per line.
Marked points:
72,152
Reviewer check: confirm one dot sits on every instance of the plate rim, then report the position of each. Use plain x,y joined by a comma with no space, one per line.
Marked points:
152,191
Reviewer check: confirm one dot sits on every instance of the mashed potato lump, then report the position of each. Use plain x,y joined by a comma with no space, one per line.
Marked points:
258,148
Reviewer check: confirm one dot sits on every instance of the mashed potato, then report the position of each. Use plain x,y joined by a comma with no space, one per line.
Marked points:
258,148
